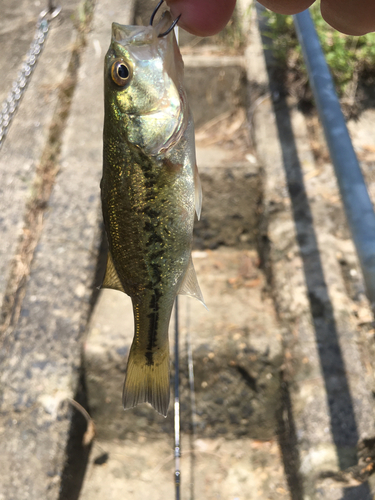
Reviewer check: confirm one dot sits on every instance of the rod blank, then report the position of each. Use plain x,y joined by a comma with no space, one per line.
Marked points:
177,449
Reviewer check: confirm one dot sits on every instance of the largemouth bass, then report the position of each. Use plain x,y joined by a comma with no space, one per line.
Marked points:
150,190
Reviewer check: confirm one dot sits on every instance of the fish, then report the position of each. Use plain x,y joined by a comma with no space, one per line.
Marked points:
150,192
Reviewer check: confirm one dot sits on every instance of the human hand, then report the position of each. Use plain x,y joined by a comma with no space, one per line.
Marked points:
352,17
202,17
207,17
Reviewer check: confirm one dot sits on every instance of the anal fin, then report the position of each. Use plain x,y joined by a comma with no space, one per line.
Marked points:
190,285
111,279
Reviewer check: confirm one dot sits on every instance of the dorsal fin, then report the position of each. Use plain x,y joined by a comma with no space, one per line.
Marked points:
190,285
111,279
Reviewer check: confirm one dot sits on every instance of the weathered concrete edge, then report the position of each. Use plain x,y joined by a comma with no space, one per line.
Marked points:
29,134
41,361
287,277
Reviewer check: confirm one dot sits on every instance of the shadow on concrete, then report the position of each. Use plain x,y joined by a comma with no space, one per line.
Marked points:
77,455
100,269
342,418
286,434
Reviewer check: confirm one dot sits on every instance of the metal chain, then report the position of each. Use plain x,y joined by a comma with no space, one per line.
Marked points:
13,100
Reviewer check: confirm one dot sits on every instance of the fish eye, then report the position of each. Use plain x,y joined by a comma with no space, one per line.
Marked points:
120,73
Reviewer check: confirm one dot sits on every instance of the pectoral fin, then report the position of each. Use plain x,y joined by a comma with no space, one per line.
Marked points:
111,279
190,285
198,193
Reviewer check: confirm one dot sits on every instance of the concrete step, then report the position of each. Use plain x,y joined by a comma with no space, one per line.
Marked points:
213,469
327,362
29,136
237,355
283,358
236,335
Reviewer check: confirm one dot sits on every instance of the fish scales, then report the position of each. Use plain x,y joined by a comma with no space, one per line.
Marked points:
150,191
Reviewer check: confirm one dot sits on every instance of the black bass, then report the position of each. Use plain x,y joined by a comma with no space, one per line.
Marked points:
150,190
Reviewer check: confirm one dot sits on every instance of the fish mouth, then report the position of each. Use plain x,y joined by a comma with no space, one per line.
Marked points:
166,47
164,23
141,34
131,34
159,124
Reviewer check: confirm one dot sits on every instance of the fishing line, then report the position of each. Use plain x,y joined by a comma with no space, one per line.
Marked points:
173,25
177,434
177,414
177,417
189,351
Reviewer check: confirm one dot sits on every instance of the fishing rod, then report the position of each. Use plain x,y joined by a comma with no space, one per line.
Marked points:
189,351
177,417
177,414
177,427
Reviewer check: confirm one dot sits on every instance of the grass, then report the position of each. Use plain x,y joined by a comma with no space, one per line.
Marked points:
351,59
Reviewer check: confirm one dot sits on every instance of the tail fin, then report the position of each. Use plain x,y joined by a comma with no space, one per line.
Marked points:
147,382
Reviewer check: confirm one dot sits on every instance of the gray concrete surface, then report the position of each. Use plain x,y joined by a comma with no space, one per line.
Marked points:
221,337
234,452
223,469
330,387
285,356
28,135
40,359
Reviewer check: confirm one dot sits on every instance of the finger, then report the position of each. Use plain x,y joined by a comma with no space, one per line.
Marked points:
202,17
353,17
287,6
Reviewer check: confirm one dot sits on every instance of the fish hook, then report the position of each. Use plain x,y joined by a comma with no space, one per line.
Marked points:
51,11
171,26
155,11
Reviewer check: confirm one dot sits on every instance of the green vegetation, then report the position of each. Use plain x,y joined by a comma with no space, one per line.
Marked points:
350,58
233,36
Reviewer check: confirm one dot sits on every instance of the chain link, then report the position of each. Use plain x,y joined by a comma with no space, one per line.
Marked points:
13,100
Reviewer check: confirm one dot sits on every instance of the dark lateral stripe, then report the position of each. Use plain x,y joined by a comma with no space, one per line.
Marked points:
151,212
153,326
153,239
